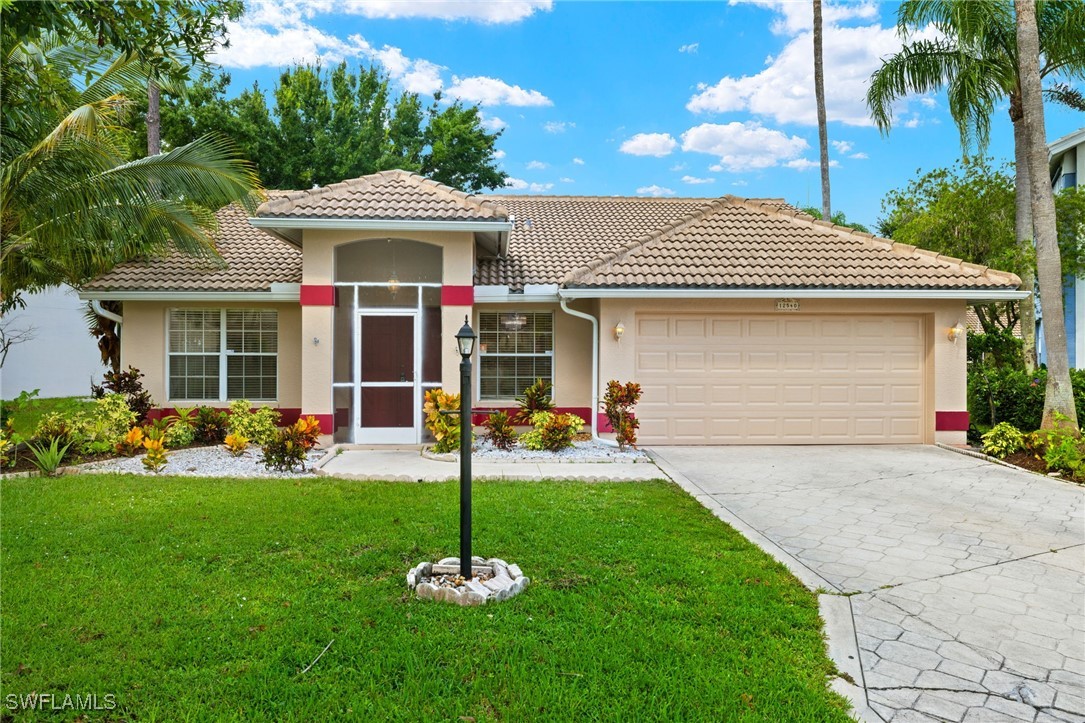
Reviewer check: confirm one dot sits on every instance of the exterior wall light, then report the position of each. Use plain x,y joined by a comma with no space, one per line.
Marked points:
956,332
619,331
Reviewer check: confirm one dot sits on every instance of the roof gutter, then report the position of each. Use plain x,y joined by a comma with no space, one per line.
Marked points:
105,313
971,295
376,224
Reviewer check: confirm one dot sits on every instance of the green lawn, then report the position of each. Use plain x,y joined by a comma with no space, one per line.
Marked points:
203,599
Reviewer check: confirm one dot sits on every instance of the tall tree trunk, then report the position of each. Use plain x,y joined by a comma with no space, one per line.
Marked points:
823,129
1023,229
154,120
1059,395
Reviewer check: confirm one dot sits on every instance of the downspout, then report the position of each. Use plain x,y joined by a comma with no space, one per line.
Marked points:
594,371
96,304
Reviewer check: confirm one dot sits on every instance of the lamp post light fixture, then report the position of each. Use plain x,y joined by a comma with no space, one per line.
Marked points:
465,343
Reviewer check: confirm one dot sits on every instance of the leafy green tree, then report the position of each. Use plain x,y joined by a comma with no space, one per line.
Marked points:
72,203
838,218
974,58
325,127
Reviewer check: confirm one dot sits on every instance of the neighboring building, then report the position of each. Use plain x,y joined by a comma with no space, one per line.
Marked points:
745,320
62,358
1067,157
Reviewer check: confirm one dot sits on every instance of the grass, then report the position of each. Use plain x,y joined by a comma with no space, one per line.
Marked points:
204,599
25,416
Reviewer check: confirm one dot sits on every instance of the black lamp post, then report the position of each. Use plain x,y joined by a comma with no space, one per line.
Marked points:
465,341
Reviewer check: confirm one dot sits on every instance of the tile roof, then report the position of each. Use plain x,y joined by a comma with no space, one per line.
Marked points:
747,243
385,195
253,261
554,234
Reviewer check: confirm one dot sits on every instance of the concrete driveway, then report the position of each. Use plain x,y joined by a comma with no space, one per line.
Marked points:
964,580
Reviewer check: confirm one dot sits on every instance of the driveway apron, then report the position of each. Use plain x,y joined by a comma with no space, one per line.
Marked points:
966,579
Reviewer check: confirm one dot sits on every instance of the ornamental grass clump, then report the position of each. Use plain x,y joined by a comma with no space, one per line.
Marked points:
618,404
48,459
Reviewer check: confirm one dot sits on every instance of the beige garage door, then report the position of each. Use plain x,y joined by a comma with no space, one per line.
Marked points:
712,379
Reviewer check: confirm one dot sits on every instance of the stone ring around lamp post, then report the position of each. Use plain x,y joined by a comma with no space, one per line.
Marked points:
492,580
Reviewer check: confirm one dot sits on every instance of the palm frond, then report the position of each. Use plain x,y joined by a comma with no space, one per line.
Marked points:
1066,95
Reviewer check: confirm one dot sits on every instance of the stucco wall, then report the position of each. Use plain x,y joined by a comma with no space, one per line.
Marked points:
143,345
946,362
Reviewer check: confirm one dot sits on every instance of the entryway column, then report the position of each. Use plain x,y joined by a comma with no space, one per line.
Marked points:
317,337
456,303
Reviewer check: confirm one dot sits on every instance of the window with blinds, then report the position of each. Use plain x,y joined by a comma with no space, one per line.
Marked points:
515,349
222,354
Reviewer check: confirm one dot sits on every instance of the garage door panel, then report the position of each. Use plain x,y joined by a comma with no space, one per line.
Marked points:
712,379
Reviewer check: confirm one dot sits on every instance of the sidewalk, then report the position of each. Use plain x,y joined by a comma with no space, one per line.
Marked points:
408,465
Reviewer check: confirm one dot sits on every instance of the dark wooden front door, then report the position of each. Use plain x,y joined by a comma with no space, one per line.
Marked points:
387,371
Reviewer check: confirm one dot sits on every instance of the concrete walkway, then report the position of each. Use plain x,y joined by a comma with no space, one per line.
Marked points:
408,465
955,587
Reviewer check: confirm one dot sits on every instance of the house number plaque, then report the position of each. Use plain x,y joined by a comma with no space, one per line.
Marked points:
787,304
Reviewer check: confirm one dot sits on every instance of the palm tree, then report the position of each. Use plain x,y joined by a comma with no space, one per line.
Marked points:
819,93
975,60
1059,395
71,203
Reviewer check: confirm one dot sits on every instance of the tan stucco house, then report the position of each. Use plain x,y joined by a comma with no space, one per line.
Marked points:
745,320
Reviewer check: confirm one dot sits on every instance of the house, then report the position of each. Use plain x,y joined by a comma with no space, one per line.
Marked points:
745,320
1065,155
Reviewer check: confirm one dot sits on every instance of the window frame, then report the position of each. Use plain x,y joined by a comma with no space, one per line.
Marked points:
223,354
550,354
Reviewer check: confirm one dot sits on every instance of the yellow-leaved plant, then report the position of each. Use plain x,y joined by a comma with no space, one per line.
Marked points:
236,444
445,428
155,459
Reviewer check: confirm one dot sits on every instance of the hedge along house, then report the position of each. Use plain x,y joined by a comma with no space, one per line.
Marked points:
745,320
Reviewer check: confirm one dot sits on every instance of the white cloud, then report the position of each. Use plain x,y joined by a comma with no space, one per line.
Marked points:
649,144
694,181
654,190
859,156
679,167
578,161
805,164
536,165
689,48
557,126
492,91
566,179
506,11
742,146
796,17
928,102
424,77
842,146
519,184
784,90
492,123
740,183
393,60
499,154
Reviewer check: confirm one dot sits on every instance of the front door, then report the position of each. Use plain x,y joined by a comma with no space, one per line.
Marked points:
389,396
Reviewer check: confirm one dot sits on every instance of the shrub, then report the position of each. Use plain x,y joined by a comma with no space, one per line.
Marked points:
181,431
445,428
259,427
1065,454
499,430
1014,396
290,444
155,459
997,349
48,459
236,444
1003,440
127,383
535,398
8,451
552,432
618,403
210,425
130,443
100,428
57,427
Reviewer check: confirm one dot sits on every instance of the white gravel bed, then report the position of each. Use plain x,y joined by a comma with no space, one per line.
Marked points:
590,451
204,462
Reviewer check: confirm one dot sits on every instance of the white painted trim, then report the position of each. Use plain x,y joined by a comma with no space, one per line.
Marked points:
377,224
182,297
1079,317
532,294
642,293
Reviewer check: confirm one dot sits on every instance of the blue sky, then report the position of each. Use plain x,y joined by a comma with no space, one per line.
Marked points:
648,98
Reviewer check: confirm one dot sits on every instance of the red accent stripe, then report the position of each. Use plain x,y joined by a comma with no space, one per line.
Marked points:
457,295
951,421
327,422
317,295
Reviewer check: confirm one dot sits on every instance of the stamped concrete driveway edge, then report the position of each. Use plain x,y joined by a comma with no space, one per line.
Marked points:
841,641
